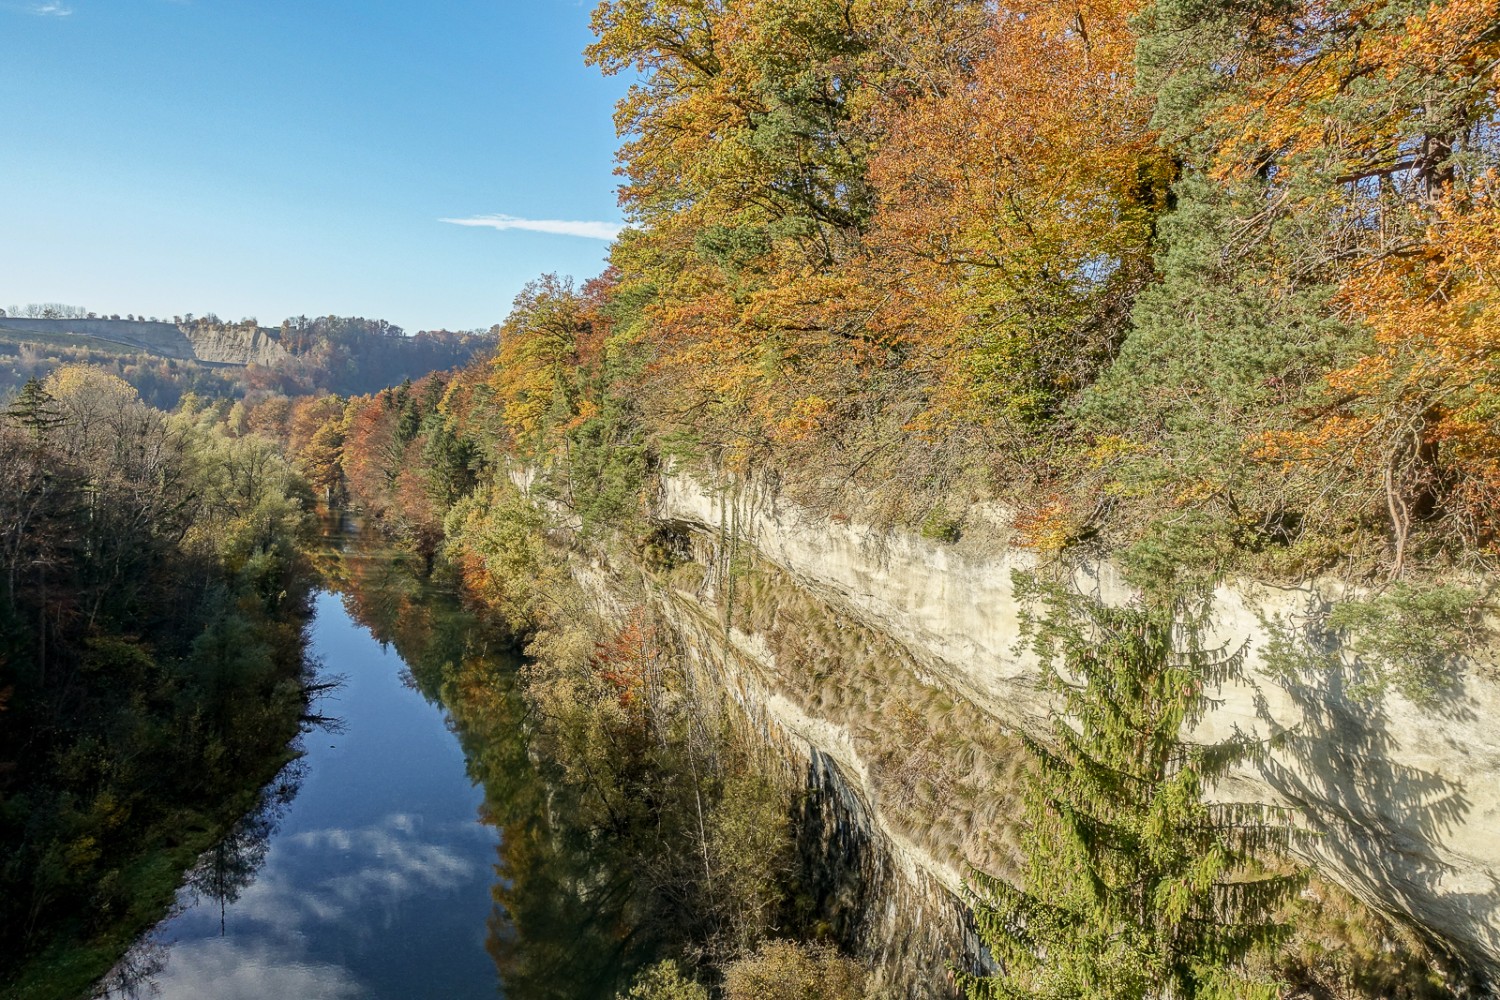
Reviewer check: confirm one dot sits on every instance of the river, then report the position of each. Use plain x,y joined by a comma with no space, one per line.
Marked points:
374,867
419,848
376,879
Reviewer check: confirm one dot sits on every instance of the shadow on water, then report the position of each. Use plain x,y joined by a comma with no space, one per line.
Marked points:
221,875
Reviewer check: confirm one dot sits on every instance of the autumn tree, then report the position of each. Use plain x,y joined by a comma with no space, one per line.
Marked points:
315,440
1411,428
1018,198
1326,147
530,375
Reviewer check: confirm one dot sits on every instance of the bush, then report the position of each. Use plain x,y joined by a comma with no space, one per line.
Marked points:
785,970
941,526
1414,637
663,982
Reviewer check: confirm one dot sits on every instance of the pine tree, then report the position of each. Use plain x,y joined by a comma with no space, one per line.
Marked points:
1135,886
34,408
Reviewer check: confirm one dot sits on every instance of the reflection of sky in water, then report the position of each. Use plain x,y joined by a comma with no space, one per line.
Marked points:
377,882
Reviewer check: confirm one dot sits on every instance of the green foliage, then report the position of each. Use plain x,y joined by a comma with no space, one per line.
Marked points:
606,468
497,535
941,526
449,461
253,506
1180,556
1217,345
663,982
34,408
749,844
1413,637
1136,887
151,622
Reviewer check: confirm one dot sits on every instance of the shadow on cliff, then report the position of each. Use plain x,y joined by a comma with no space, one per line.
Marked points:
852,888
1373,817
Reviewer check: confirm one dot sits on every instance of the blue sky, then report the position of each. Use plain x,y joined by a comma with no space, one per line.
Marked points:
270,158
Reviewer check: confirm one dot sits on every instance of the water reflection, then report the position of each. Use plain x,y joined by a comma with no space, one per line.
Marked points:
222,873
416,853
560,928
219,878
375,880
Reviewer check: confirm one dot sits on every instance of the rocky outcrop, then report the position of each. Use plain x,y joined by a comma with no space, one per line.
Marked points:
1405,798
863,881
231,345
884,897
236,345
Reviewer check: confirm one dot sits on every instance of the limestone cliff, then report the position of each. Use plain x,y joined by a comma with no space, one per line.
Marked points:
1406,799
236,345
232,345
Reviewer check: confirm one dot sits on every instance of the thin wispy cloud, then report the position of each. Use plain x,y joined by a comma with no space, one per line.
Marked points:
50,10
558,227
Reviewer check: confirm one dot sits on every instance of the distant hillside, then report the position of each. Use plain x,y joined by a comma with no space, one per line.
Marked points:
241,344
208,356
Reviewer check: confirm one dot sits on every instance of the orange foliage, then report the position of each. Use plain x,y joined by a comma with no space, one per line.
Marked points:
538,346
1362,89
626,660
1423,408
1046,526
371,454
1015,198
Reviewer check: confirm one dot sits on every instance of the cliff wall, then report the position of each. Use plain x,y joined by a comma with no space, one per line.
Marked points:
1405,798
220,345
236,345
863,876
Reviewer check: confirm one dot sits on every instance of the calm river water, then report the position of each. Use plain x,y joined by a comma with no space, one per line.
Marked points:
401,856
376,881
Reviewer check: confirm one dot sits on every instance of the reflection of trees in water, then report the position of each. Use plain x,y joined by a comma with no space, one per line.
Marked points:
226,869
134,975
561,927
384,589
222,873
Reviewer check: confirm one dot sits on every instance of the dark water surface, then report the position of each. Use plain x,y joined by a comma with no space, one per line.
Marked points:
376,883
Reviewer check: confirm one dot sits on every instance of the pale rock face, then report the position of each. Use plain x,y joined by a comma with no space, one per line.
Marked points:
232,346
1406,800
236,346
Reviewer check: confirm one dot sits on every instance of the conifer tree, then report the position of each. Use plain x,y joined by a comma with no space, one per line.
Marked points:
1135,886
34,408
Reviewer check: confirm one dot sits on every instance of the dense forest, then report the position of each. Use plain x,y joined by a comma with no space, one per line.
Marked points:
152,675
1207,291
1208,286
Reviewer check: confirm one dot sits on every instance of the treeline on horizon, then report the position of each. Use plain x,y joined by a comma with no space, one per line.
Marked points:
340,354
152,601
